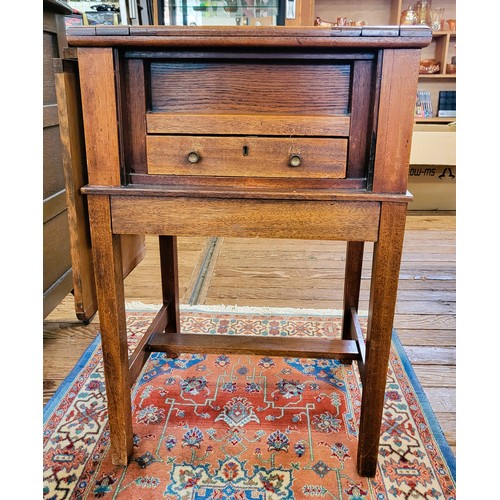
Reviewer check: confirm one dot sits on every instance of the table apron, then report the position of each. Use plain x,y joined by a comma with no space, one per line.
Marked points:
293,219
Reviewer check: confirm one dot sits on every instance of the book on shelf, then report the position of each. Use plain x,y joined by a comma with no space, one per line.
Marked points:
423,105
447,103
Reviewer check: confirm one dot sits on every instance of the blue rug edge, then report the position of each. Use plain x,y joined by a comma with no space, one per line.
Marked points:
68,382
426,407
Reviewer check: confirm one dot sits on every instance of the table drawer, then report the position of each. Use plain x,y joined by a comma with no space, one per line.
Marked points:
322,158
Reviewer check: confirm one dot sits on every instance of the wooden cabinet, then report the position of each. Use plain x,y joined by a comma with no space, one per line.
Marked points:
57,272
67,260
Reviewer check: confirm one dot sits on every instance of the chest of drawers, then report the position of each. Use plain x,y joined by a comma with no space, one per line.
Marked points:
248,132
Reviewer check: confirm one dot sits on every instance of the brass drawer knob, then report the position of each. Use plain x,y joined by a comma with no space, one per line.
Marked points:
295,160
193,157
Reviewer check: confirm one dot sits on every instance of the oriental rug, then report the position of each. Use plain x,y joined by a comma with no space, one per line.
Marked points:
243,427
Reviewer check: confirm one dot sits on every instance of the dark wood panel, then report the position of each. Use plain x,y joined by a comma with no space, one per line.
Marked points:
54,205
50,118
134,116
57,292
250,88
361,118
257,53
250,187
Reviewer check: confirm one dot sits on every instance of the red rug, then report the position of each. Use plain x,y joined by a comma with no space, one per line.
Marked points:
243,427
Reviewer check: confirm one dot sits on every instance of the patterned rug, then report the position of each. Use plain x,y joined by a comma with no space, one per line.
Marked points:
243,427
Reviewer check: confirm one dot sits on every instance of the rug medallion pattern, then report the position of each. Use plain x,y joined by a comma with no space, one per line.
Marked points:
242,427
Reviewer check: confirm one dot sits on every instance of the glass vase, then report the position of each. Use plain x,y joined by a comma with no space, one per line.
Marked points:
423,11
436,18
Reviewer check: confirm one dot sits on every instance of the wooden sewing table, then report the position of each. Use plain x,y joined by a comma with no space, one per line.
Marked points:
272,132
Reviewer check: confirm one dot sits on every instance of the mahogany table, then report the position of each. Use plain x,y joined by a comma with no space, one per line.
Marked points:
274,132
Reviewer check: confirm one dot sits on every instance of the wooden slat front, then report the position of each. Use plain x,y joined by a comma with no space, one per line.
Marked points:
247,156
250,87
351,221
245,124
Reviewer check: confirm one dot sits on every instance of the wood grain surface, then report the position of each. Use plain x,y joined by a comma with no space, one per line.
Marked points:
247,156
250,88
349,221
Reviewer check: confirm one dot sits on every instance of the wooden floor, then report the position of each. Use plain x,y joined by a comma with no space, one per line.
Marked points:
305,274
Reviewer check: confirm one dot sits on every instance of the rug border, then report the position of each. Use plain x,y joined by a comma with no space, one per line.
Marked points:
426,406
437,432
68,382
137,306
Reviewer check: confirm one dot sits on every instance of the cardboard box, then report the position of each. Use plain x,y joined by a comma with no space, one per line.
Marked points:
433,145
432,175
433,187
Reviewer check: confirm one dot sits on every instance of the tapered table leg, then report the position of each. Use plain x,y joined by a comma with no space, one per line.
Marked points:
106,250
352,283
170,280
384,285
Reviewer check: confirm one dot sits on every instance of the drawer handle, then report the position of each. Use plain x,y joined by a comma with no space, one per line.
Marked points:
295,160
193,157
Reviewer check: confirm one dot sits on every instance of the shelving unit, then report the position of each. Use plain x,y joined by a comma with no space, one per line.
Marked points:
442,49
428,146
442,45
388,12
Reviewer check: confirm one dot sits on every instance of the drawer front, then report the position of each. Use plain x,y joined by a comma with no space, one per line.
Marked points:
247,156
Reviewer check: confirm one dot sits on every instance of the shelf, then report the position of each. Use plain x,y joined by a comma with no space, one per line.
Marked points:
439,33
438,76
436,119
441,50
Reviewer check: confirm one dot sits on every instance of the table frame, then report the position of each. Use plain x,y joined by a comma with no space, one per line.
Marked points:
116,209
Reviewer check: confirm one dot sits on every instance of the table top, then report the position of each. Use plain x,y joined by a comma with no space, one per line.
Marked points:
251,36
